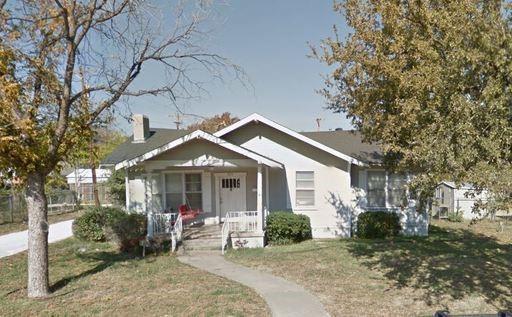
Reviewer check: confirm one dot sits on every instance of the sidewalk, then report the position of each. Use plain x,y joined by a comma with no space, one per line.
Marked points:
16,242
284,298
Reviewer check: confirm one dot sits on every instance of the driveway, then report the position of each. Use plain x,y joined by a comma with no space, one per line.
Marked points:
16,242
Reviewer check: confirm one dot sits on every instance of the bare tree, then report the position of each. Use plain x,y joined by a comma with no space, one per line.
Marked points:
123,46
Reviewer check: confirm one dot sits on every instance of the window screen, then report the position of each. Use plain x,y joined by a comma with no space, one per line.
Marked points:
305,189
376,189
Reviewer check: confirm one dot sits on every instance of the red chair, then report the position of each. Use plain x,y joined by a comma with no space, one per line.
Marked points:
187,213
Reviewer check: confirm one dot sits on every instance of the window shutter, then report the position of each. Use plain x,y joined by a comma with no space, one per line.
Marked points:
206,187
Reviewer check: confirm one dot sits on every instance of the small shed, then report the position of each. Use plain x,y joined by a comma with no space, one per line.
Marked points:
451,198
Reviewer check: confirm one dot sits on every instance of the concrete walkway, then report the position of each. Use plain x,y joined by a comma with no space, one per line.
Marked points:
16,242
284,298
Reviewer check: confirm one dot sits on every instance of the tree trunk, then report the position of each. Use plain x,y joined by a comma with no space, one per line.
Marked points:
38,285
94,180
95,186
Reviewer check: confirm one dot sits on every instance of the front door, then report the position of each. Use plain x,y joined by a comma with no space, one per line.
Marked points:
230,193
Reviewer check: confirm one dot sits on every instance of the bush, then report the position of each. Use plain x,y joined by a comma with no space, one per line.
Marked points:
126,230
286,227
455,216
89,226
378,224
112,224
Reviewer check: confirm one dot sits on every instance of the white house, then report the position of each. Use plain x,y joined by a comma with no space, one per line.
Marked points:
259,165
80,181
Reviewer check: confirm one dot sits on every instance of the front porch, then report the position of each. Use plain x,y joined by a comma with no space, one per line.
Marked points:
206,176
235,200
213,192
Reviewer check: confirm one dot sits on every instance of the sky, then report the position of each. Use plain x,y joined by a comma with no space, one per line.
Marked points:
269,40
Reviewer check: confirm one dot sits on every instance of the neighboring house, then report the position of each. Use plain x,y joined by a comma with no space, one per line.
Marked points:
259,165
449,198
80,181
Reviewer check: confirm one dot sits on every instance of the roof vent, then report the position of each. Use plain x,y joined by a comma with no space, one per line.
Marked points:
140,128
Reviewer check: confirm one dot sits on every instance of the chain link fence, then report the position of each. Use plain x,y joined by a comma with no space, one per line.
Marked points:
13,207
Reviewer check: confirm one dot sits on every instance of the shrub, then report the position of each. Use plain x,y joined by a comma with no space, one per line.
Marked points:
286,227
377,224
455,216
89,226
126,230
112,224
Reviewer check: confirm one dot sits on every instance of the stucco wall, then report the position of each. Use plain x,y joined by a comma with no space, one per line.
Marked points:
195,149
333,195
465,203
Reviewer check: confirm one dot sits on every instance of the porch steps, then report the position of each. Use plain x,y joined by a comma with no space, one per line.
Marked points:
204,237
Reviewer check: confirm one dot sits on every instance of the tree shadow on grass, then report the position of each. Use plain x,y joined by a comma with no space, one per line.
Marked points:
454,263
104,260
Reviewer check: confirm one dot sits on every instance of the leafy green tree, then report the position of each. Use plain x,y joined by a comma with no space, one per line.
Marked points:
117,187
431,82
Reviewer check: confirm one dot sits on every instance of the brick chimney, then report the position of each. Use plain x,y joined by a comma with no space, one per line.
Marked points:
140,128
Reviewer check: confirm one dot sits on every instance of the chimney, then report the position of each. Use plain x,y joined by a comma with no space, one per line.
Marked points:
140,128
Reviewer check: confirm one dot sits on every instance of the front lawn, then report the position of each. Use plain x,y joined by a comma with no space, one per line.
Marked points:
94,279
456,268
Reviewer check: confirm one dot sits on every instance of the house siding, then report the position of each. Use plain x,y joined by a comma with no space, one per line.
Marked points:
412,221
333,195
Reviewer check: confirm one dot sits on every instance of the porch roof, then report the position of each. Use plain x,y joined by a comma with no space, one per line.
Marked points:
198,134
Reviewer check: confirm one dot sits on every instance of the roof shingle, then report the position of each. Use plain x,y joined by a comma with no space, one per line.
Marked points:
350,143
129,150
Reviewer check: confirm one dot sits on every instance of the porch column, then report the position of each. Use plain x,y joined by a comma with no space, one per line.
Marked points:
267,190
259,197
127,189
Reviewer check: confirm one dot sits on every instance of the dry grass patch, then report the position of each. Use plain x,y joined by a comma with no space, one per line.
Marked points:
454,268
94,279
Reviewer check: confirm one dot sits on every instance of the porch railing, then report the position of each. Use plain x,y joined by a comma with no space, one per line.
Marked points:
177,233
238,221
162,224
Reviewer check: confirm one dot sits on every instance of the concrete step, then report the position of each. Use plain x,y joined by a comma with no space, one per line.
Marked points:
202,238
203,232
203,244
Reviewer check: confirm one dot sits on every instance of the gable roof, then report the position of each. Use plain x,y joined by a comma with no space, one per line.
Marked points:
198,134
259,118
129,150
349,142
453,185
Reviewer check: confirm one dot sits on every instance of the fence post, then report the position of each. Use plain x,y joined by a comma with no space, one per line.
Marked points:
9,199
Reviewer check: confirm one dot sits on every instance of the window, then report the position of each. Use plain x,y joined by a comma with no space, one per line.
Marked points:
193,193
230,183
173,191
386,189
183,189
304,189
376,189
397,190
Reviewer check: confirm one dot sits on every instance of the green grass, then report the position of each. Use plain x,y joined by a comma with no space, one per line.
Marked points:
456,268
94,279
